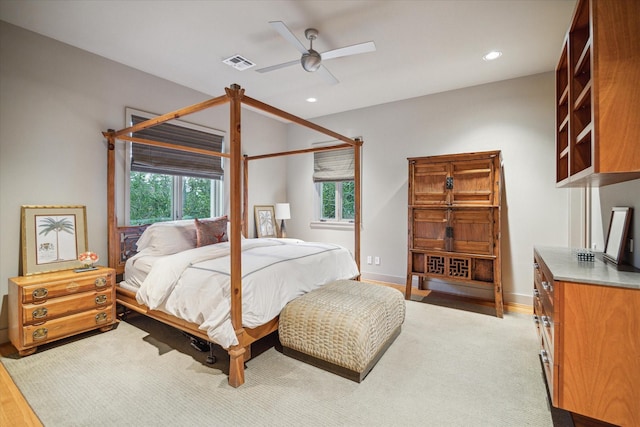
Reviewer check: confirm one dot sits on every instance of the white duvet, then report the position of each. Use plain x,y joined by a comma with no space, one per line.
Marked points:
194,285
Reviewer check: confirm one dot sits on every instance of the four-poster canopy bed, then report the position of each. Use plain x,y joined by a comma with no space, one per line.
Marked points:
122,239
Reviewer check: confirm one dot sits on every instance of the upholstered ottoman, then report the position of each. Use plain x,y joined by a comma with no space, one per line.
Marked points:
343,327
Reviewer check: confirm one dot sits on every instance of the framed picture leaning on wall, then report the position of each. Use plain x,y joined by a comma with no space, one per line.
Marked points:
52,237
265,221
617,234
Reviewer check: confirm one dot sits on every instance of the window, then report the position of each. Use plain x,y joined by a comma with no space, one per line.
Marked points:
335,187
166,184
336,201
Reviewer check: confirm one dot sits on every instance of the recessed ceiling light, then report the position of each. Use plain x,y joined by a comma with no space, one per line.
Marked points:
494,54
311,99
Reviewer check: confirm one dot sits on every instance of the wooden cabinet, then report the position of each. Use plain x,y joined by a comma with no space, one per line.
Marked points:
454,220
588,322
597,95
50,306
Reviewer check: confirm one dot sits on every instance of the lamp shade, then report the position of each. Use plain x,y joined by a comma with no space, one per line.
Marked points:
283,211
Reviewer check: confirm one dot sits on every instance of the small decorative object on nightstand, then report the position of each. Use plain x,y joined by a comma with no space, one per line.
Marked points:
88,259
283,212
49,306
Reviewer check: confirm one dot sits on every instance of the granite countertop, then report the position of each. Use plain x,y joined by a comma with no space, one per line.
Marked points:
564,265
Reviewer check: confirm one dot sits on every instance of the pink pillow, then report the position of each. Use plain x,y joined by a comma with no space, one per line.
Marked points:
211,231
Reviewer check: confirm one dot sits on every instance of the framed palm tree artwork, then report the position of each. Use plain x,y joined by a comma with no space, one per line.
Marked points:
265,221
52,238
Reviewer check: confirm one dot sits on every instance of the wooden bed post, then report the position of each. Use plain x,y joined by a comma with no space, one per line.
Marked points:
357,189
111,200
236,353
245,197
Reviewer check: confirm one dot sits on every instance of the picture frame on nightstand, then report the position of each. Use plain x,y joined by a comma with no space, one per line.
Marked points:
52,237
265,221
617,234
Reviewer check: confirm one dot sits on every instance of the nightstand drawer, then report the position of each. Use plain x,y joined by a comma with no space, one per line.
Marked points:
64,306
66,326
41,292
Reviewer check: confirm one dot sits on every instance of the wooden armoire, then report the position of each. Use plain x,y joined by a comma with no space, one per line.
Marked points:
454,221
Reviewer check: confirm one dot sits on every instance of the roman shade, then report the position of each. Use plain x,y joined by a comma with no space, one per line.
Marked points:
160,160
332,166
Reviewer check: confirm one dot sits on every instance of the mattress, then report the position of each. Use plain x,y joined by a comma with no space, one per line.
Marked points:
194,285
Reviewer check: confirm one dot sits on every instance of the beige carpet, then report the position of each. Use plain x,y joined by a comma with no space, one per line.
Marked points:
447,368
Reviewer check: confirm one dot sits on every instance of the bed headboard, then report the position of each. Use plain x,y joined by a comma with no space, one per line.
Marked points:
127,237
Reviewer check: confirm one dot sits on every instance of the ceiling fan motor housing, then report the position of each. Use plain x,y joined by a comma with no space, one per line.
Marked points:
311,60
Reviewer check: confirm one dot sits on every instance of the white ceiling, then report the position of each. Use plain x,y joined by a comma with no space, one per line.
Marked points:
423,46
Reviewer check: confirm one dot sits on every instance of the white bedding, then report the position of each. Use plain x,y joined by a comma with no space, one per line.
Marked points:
194,285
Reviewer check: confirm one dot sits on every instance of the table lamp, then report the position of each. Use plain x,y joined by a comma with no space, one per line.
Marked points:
283,212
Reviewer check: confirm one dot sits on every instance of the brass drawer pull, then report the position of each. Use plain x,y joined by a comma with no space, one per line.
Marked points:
544,356
40,294
40,334
101,282
545,321
40,313
101,299
101,317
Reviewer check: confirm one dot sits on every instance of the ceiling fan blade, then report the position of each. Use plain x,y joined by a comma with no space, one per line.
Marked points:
349,50
326,75
286,33
278,66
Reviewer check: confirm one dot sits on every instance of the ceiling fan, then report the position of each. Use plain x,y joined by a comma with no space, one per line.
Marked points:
311,60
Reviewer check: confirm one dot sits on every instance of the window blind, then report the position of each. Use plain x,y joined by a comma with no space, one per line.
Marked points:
161,160
334,165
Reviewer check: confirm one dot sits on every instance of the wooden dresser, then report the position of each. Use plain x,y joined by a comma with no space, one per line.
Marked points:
454,220
588,320
50,306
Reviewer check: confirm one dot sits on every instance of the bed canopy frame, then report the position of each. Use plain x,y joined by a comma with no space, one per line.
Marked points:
121,239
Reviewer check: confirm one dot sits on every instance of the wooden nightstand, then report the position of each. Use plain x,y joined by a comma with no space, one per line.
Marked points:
50,306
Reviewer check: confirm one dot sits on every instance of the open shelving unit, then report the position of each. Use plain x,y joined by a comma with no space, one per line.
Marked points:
597,76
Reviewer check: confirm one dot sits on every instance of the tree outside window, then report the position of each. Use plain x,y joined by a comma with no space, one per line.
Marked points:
337,201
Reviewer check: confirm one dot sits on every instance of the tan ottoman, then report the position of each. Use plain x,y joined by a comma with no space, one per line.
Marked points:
343,327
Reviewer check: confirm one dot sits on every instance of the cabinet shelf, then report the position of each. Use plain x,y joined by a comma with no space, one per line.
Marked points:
564,124
583,136
583,64
584,98
564,153
563,99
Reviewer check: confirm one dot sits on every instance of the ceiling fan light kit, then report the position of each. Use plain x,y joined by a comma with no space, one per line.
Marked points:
311,60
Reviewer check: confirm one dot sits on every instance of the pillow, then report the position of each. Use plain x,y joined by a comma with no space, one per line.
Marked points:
166,238
211,231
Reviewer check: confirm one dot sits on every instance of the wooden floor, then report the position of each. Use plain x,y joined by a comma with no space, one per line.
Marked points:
14,409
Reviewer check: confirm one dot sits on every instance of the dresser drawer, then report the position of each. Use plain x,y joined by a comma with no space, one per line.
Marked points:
41,292
64,306
546,357
67,326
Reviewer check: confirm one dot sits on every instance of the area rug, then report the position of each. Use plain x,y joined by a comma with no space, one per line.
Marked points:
447,368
